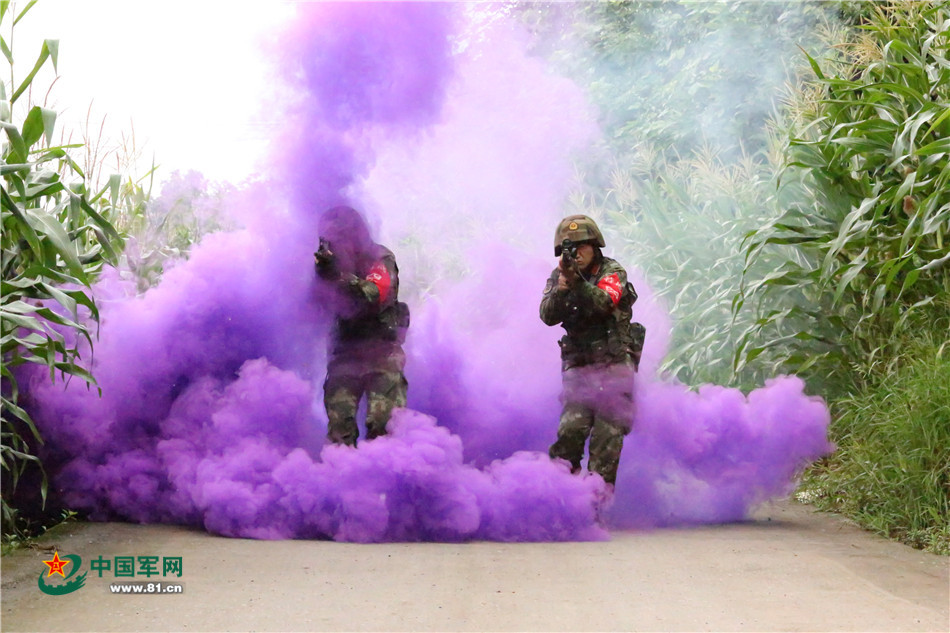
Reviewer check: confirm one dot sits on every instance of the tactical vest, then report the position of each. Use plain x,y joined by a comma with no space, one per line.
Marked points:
388,324
597,338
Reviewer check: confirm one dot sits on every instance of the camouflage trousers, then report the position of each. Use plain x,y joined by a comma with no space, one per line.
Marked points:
598,404
384,390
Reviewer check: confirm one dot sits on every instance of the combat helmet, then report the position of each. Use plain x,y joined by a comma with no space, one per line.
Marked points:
577,228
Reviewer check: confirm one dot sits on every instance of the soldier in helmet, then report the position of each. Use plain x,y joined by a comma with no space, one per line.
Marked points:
365,352
589,296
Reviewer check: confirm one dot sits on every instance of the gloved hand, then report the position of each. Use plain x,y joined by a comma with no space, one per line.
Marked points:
568,275
325,261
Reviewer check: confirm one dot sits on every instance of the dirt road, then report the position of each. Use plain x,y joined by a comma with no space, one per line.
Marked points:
790,569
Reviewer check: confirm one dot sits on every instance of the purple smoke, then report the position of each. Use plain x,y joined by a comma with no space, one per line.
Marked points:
211,412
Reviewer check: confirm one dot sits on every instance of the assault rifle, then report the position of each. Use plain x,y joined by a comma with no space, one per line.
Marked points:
324,255
569,256
324,259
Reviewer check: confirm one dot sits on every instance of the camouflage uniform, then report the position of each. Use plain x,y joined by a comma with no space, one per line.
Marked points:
366,355
599,355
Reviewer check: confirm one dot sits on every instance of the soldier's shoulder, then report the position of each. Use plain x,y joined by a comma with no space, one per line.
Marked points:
610,265
384,253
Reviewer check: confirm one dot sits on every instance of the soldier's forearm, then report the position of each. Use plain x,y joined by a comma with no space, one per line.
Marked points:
550,316
590,297
553,307
366,292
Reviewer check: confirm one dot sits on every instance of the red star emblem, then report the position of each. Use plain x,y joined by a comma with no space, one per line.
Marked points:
56,565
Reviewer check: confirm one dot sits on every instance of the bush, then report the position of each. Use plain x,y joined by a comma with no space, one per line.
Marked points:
891,472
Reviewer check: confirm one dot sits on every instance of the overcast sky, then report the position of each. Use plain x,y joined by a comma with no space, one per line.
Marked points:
189,75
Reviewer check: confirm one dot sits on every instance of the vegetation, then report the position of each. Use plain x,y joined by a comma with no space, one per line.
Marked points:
807,235
861,306
56,238
679,76
865,204
164,228
797,222
685,91
891,471
682,222
64,219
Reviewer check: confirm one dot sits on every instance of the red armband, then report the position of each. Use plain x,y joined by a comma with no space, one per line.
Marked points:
379,275
611,285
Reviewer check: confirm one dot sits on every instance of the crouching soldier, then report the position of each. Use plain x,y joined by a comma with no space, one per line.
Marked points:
589,296
365,355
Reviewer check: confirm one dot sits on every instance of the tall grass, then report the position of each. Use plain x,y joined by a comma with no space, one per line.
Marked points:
684,91
891,471
682,222
820,247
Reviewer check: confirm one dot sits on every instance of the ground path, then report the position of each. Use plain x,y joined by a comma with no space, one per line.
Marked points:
789,569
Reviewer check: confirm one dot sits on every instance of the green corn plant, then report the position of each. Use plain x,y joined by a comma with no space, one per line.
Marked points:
868,208
156,231
165,228
54,242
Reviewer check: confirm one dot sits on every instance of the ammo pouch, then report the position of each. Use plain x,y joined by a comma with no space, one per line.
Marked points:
629,297
402,315
395,322
389,325
633,333
636,336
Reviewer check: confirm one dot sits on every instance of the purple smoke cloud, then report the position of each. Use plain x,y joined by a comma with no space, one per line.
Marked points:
211,411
